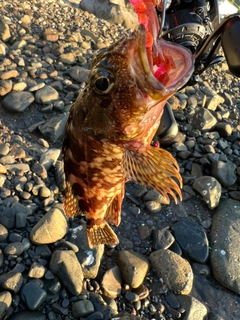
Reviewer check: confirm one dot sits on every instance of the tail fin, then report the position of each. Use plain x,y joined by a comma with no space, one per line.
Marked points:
100,234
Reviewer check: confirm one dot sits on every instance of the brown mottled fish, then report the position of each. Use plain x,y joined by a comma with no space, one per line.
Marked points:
111,126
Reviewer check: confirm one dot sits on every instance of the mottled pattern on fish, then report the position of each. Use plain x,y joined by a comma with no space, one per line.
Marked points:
109,133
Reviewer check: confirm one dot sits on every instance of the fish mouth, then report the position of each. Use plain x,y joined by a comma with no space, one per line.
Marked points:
167,66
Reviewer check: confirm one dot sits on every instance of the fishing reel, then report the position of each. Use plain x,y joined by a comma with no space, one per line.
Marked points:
195,24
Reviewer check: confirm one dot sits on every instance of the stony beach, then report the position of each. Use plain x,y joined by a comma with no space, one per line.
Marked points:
177,261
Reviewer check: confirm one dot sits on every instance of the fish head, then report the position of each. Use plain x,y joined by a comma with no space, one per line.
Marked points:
123,95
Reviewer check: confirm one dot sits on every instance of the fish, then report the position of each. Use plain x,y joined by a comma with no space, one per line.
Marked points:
112,123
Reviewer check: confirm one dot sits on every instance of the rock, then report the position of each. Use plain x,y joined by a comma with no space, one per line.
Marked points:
203,119
213,101
111,283
134,267
9,74
3,233
40,170
50,228
89,258
5,34
5,87
49,158
7,218
15,248
46,95
33,296
17,101
195,310
162,239
5,303
79,74
224,172
36,270
175,271
82,308
66,266
11,281
28,315
224,129
225,235
210,190
53,128
192,239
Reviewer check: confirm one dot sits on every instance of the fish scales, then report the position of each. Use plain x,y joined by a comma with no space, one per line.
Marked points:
110,128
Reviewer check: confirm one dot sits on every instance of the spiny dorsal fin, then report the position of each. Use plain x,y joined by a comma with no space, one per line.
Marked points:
154,168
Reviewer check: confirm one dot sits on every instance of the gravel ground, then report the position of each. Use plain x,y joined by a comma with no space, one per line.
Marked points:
173,261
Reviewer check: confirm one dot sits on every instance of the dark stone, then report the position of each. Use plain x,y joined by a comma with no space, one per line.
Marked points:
192,239
33,296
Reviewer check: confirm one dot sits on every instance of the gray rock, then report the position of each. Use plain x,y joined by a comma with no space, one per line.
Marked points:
111,283
7,218
46,95
82,308
53,128
15,248
49,158
5,33
17,101
192,239
210,190
134,267
224,172
79,74
111,11
5,303
89,258
203,119
175,271
28,315
50,228
66,266
225,235
195,310
162,239
33,296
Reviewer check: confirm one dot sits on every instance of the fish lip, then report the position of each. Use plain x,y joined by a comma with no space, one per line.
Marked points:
154,88
186,61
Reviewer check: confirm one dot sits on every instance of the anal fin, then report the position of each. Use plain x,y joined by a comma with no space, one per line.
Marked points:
100,234
153,167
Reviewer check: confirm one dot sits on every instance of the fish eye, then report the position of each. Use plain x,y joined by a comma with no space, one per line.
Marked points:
103,82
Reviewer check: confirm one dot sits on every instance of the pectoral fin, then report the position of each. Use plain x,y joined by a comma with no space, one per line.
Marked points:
70,205
153,167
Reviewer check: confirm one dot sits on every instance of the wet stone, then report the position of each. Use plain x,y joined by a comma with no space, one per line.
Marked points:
82,308
162,239
28,315
46,95
7,218
36,270
192,239
33,296
131,296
